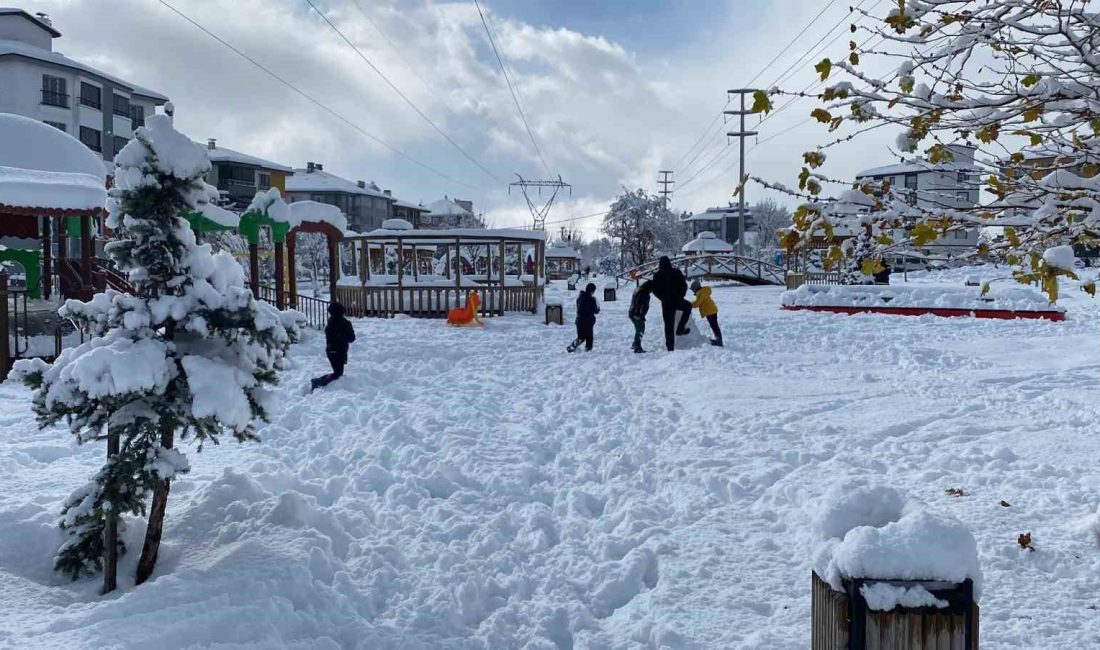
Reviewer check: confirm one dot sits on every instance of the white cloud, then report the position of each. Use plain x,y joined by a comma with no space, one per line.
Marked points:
604,116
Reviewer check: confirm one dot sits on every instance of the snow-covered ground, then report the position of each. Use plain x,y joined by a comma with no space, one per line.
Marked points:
481,488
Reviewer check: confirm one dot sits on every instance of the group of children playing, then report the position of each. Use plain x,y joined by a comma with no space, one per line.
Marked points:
587,308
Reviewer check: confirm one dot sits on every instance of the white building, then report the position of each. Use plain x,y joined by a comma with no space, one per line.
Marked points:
451,213
929,186
722,222
365,204
99,109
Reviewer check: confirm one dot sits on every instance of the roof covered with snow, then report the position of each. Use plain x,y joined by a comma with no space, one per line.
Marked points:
714,214
449,235
447,207
562,249
221,154
44,167
319,180
18,48
316,212
707,242
409,204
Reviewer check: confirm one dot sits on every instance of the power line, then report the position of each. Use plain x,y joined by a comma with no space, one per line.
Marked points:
792,42
315,101
511,88
701,138
396,50
402,95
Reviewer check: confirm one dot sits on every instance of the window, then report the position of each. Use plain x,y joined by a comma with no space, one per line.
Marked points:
61,126
265,181
236,175
963,196
54,91
120,142
137,116
122,106
910,181
91,138
90,95
961,234
962,178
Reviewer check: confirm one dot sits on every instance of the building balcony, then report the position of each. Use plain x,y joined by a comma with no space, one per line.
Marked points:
90,103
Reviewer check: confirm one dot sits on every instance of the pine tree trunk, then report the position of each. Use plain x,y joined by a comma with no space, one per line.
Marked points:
110,532
148,560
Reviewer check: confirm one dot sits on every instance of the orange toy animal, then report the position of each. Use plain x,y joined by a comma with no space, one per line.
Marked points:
465,315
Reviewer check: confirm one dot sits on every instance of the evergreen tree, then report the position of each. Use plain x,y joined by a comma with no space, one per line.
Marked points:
190,354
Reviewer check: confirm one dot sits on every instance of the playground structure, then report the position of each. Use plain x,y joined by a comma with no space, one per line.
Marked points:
467,313
715,266
392,281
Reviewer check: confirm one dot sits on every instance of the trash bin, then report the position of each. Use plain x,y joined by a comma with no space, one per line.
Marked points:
609,294
555,314
846,621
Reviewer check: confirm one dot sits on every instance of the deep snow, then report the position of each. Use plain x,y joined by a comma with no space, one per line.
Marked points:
477,488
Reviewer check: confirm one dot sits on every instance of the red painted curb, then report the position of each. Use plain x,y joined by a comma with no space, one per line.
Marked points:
1002,314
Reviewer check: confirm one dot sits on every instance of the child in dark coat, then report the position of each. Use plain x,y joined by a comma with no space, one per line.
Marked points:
339,335
639,307
587,308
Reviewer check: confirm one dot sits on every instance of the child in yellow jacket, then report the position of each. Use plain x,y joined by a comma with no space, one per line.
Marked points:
707,309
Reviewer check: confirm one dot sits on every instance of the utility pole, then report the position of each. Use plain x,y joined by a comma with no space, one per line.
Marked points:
741,134
664,183
539,212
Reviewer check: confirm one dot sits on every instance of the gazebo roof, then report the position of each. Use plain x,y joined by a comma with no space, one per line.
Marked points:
45,171
559,250
316,212
448,236
707,242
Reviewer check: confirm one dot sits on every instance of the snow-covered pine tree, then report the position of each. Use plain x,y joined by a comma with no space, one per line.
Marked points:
190,354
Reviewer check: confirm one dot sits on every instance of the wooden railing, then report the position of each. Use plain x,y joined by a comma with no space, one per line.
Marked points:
435,302
715,265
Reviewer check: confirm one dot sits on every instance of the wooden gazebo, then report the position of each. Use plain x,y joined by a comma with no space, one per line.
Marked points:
562,261
52,187
392,280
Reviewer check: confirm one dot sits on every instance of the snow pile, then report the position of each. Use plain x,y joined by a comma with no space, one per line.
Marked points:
707,242
316,212
876,532
44,167
1060,257
1009,297
883,597
270,202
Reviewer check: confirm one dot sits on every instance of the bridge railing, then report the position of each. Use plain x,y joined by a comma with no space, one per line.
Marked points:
715,265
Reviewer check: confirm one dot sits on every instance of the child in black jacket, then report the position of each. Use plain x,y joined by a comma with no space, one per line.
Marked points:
587,308
639,307
339,335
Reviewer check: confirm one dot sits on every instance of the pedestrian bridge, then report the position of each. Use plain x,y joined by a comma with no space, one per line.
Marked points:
716,266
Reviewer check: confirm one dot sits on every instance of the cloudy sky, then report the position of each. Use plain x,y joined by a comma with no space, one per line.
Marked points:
614,90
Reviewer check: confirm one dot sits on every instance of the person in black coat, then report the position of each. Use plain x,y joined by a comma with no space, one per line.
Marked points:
339,335
639,307
670,286
587,308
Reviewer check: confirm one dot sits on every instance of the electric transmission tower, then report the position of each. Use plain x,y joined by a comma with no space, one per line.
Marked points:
665,181
741,135
540,210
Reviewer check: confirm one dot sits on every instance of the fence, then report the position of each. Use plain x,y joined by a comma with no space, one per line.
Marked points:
435,302
314,309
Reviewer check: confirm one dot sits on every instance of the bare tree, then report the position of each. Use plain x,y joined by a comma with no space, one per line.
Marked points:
643,226
769,217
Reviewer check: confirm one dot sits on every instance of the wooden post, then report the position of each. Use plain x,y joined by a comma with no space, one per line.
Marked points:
47,258
400,276
5,328
292,266
333,266
500,307
280,290
416,264
364,262
458,272
367,245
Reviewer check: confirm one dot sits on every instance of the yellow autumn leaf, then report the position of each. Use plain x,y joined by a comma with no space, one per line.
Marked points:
760,102
824,67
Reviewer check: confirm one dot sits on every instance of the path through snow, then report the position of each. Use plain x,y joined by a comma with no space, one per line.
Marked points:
481,488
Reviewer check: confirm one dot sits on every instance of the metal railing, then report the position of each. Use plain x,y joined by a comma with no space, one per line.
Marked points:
51,98
314,309
435,302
